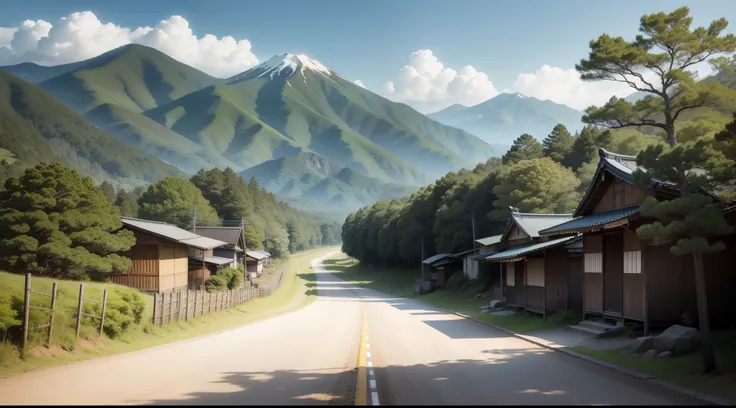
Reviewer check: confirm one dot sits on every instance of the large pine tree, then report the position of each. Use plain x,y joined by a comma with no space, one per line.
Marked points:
558,144
525,147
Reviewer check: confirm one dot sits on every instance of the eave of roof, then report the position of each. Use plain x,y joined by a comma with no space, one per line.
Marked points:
518,253
488,241
172,233
213,260
435,258
593,221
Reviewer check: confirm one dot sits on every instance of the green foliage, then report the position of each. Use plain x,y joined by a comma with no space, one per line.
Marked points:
668,49
54,222
687,222
727,139
124,310
536,186
127,203
175,201
233,276
558,144
216,283
8,315
109,191
525,147
585,146
585,174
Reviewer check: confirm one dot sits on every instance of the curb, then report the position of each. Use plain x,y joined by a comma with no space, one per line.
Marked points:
703,398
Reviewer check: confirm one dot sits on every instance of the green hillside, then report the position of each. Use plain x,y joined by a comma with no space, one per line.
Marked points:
36,126
34,73
135,77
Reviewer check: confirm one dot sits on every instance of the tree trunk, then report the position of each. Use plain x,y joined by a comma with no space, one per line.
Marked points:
671,135
709,359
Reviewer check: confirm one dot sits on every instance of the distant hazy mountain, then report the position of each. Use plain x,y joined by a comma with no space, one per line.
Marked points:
35,126
505,117
288,107
34,73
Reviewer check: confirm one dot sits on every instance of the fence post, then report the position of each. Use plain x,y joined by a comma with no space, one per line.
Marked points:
178,306
104,307
171,305
26,309
195,304
155,307
209,302
186,308
53,310
79,307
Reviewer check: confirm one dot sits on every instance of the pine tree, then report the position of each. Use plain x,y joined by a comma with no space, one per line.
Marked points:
691,223
54,222
109,191
558,144
668,49
175,201
127,203
585,146
525,147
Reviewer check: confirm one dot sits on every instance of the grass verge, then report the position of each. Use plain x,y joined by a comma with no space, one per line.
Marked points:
460,296
685,370
290,296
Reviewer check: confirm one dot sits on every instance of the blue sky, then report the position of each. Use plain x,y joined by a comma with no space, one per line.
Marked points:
372,40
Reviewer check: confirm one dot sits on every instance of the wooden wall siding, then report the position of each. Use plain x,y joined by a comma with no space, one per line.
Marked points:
197,277
516,233
592,243
173,266
535,299
556,277
634,296
593,297
593,262
670,286
575,282
145,260
632,241
618,194
720,281
510,274
201,252
535,272
145,283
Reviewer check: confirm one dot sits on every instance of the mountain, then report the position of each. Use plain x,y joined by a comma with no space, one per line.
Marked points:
35,73
133,76
311,179
505,117
35,126
291,102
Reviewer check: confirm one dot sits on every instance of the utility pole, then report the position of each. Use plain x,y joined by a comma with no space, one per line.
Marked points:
422,260
266,239
473,223
194,220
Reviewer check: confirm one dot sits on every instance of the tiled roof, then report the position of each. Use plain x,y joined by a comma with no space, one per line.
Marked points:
257,255
521,252
435,258
593,221
231,235
487,241
531,224
172,233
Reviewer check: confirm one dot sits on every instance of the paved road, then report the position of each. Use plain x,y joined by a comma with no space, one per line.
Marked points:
420,356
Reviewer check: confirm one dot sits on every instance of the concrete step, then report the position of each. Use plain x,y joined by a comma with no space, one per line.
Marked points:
596,324
592,332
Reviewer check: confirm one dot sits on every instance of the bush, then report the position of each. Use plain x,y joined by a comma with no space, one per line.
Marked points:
457,280
124,310
215,283
8,316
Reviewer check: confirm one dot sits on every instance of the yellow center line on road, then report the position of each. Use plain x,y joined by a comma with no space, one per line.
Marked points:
361,392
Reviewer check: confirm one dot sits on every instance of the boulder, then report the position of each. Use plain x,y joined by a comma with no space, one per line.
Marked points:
650,353
664,354
495,303
642,344
678,340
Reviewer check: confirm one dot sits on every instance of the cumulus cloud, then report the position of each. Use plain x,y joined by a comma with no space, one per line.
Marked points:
426,80
359,83
565,86
82,35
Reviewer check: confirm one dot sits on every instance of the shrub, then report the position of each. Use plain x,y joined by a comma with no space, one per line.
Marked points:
456,281
8,315
215,283
123,311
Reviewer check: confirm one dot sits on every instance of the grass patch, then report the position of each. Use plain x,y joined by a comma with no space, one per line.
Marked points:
685,370
289,296
460,296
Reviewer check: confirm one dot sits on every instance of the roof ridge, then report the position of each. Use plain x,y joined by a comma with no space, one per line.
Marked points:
605,154
150,221
542,214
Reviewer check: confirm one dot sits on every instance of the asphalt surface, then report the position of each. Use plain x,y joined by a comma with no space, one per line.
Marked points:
420,356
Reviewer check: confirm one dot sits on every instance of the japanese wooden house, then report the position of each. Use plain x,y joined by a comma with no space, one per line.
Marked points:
541,275
254,261
624,278
160,256
234,249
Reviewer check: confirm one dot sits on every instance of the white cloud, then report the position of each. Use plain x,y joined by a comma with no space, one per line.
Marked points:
359,83
82,35
426,80
565,86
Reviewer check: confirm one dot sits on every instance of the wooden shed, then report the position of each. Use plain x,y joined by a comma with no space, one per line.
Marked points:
537,270
235,242
160,256
254,261
624,278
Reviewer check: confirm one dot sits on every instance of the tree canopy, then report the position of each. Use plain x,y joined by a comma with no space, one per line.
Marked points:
176,201
524,147
54,222
558,144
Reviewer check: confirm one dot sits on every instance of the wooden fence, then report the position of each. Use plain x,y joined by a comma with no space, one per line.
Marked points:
187,304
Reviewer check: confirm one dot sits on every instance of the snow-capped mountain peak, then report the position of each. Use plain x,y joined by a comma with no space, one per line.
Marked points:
290,63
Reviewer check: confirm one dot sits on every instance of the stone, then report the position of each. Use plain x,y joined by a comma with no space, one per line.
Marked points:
678,340
664,354
650,353
642,344
495,303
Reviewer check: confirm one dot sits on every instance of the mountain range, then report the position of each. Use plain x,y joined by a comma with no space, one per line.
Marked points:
506,116
309,135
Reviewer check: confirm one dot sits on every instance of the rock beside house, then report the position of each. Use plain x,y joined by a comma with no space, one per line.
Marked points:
642,344
678,340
